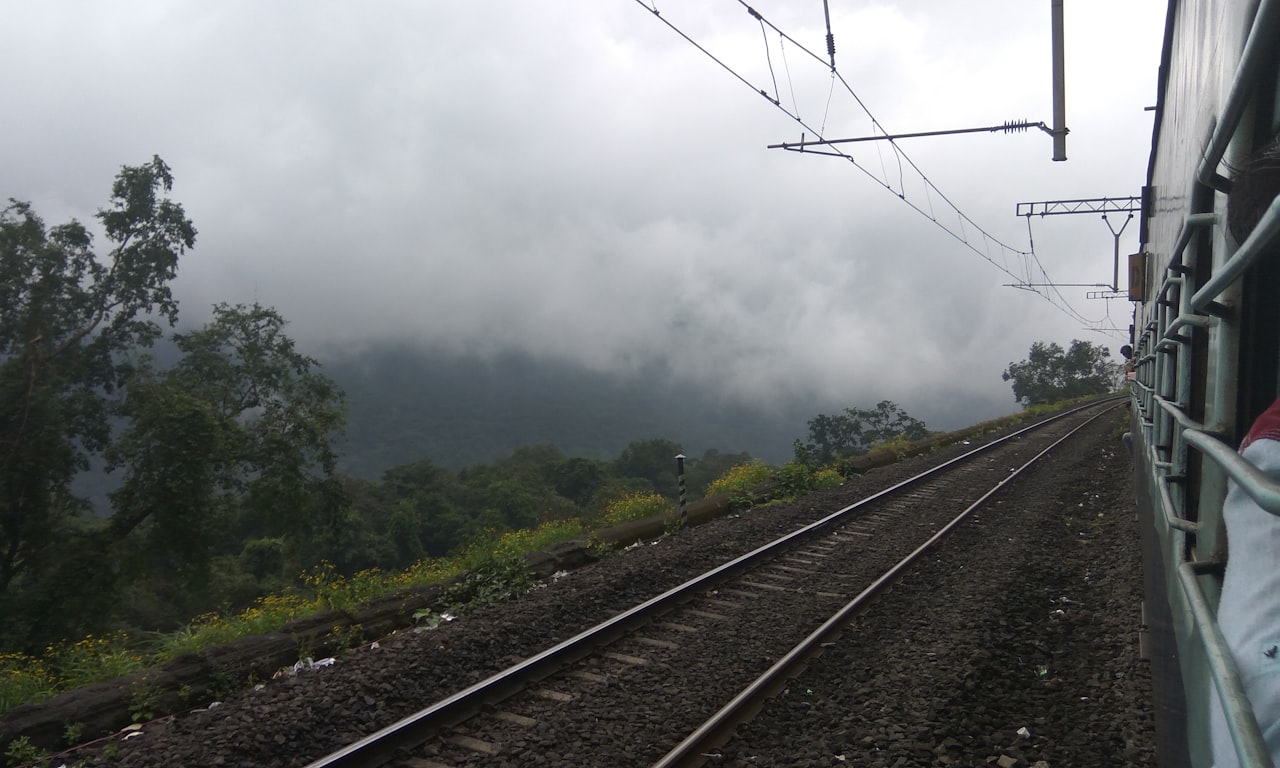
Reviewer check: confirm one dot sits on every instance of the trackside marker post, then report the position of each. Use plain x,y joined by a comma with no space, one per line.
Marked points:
684,509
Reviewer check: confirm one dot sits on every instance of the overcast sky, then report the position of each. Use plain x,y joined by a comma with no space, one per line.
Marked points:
575,180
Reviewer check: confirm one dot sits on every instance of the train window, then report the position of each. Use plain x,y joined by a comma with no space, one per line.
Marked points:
1255,186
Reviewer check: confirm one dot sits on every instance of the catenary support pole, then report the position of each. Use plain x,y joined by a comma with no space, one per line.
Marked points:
1059,85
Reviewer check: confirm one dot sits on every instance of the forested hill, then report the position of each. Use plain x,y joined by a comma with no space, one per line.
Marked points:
406,404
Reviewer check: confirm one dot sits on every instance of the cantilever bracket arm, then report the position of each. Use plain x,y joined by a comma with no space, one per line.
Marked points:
1015,126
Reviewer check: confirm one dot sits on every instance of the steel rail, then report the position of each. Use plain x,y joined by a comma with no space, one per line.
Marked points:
719,727
409,732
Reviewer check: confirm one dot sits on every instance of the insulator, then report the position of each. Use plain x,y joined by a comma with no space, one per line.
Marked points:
831,44
1015,126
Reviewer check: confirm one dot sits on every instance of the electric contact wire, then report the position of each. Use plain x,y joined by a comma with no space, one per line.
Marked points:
876,126
883,182
713,57
1065,306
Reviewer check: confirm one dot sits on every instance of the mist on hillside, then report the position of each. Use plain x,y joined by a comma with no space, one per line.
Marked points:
459,410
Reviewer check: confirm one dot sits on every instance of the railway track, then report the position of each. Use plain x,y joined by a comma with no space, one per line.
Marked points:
666,681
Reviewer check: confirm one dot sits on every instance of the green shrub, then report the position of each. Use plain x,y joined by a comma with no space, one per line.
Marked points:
826,478
23,678
498,580
22,752
94,659
636,506
898,445
521,542
741,483
794,479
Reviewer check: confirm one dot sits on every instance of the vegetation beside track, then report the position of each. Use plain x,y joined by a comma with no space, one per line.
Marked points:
493,567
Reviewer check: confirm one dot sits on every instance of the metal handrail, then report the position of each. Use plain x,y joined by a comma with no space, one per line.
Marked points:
1242,722
1171,517
1264,238
1172,408
1256,483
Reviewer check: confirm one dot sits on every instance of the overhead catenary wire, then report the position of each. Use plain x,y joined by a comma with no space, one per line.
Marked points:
769,58
795,106
714,58
1025,258
902,155
831,91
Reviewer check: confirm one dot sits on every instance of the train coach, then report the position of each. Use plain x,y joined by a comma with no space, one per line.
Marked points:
1206,357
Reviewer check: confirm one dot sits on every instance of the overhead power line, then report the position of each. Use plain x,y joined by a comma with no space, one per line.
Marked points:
954,221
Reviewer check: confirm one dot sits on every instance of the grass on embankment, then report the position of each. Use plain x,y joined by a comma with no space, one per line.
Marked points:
27,679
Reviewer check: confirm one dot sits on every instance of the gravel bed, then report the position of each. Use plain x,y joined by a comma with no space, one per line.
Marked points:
1026,655
294,720
638,698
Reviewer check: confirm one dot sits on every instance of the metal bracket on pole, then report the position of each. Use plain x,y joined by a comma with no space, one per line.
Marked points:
1115,233
1103,205
1012,126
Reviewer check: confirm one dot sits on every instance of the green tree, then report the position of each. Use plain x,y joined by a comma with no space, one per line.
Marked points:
68,318
1051,374
888,421
701,472
429,511
577,479
518,491
855,431
653,460
233,442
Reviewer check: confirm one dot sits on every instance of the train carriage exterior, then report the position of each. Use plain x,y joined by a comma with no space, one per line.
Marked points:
1206,350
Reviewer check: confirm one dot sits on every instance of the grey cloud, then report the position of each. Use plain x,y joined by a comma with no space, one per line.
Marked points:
577,182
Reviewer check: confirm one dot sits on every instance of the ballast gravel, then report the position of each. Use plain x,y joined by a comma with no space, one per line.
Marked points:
1018,649
1026,654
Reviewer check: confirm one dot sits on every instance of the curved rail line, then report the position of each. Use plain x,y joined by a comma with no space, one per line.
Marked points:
393,742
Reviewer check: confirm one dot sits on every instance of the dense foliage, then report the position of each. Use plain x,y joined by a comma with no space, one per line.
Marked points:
1051,374
69,324
224,485
224,473
856,431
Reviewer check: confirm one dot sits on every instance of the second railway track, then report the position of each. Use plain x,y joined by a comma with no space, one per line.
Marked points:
629,691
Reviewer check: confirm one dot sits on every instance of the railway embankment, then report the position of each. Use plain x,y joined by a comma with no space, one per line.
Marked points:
284,721
214,673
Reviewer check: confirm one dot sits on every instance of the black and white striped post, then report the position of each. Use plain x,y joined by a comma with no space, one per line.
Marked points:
684,510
